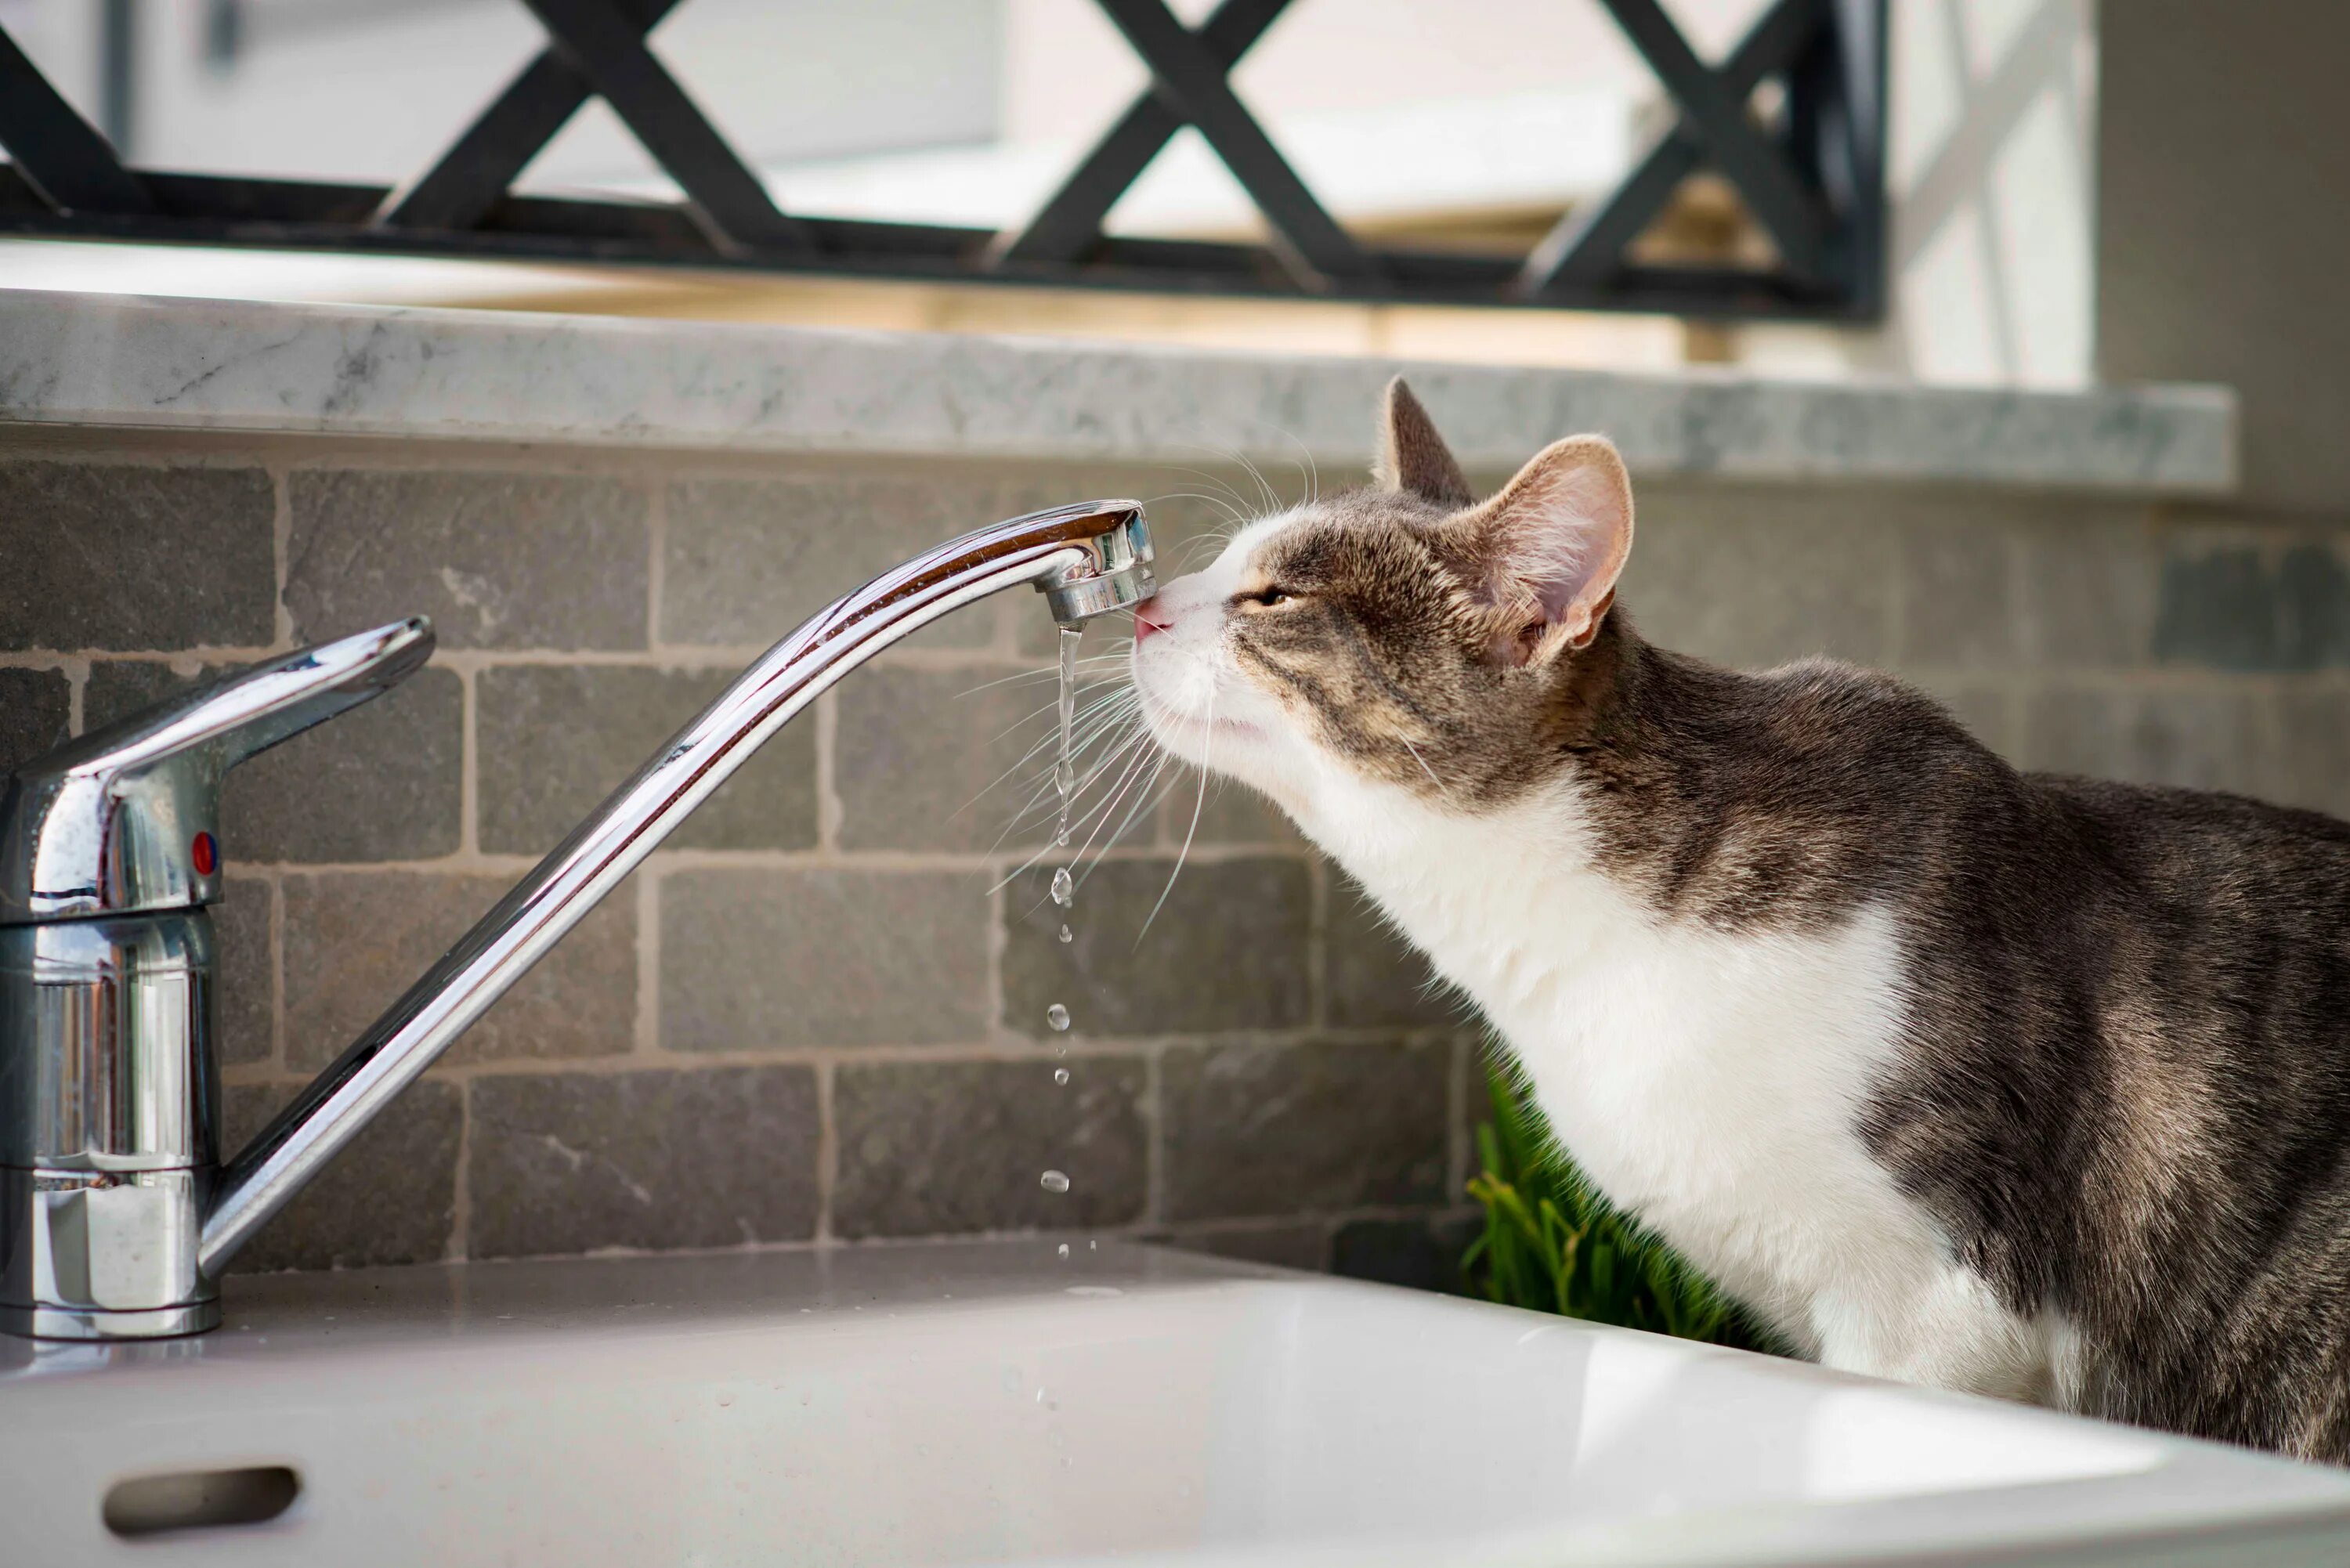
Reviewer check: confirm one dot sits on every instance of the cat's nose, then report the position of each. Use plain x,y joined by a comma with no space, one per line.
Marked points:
1149,620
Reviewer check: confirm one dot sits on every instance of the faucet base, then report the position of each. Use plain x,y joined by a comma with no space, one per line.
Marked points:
93,1322
92,1254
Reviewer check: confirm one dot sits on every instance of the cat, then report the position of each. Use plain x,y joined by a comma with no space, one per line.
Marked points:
2020,1084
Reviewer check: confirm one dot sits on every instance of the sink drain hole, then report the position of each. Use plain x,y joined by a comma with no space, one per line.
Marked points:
199,1500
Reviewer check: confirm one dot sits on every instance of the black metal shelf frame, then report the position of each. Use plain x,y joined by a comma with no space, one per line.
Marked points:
1813,178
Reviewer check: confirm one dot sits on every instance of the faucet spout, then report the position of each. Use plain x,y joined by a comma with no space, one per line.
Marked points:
1088,560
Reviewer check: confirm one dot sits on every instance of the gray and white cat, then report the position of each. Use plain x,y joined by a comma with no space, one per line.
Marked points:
2023,1084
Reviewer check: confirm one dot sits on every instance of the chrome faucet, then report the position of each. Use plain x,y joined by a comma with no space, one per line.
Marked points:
115,1215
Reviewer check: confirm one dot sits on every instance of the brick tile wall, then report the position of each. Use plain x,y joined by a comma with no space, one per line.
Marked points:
817,1015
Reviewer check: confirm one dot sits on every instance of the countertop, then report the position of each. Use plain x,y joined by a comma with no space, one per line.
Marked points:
109,360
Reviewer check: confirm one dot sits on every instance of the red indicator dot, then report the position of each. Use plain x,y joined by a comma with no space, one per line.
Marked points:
206,855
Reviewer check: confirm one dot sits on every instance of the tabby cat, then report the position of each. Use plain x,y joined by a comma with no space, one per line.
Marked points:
2030,1085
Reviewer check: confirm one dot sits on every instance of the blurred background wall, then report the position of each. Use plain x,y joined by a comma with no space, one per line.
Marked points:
1475,123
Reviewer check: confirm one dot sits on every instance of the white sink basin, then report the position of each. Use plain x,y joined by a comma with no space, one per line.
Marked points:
994,1403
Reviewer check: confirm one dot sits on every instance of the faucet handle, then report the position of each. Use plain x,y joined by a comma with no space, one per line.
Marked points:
123,819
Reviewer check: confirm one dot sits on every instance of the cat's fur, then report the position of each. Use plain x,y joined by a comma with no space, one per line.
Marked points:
2005,1081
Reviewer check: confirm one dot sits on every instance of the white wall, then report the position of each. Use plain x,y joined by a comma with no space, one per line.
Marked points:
1991,173
372,91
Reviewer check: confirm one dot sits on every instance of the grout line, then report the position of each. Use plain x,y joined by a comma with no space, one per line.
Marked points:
1456,1116
828,809
656,552
277,970
1318,941
1154,1140
647,1044
1003,1051
469,791
281,532
732,660
76,673
201,653
827,1152
974,864
461,1193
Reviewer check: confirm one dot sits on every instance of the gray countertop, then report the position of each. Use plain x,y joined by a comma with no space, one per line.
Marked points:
350,371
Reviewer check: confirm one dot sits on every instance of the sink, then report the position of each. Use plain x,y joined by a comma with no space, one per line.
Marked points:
995,1402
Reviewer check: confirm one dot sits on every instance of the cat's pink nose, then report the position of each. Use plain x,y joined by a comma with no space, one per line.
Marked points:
1149,620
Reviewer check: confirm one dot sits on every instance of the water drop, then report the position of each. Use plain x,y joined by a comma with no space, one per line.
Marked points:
1058,1016
1053,1182
1061,1076
1064,891
1067,935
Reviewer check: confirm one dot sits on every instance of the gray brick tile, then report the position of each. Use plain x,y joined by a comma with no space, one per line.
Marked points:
1228,951
2219,607
1376,979
496,559
569,1162
1279,1129
2313,769
1958,594
245,1000
747,560
356,940
1301,1244
1753,576
939,1148
390,1198
2201,740
931,758
1421,1254
2088,589
118,556
381,781
553,740
2313,591
35,706
757,958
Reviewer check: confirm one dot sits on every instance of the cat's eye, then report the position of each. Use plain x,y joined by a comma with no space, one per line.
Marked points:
1264,599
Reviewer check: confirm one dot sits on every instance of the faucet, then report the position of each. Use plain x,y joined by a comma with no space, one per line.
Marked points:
117,1217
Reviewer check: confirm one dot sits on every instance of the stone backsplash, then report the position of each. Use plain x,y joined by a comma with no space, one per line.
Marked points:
814,1017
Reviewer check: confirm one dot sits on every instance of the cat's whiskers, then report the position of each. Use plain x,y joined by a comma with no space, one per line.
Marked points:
1207,750
1424,767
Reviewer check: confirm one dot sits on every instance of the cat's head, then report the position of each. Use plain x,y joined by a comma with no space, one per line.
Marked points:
1401,637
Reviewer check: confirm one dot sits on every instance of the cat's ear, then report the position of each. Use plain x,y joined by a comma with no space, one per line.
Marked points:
1412,456
1550,546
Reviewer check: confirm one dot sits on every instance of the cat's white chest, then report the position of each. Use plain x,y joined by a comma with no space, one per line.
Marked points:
1708,1080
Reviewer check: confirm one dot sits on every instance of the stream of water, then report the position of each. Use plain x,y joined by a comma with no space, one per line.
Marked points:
1064,891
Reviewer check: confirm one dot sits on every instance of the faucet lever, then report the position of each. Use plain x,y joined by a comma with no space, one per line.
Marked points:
123,821
109,1085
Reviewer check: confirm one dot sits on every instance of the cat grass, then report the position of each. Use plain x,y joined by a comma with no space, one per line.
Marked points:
1551,1243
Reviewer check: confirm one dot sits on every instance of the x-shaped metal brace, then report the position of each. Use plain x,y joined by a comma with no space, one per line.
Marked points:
597,48
58,151
1586,246
1191,85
